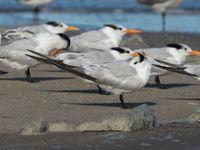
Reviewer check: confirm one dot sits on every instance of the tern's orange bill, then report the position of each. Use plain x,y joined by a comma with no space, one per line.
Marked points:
134,54
193,52
54,52
128,31
71,28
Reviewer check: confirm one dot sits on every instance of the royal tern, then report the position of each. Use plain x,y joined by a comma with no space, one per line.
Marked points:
117,77
174,53
35,4
191,69
105,38
29,31
161,6
13,55
94,56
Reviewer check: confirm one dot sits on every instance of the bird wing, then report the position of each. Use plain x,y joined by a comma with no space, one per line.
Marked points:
118,74
177,69
89,57
16,50
87,40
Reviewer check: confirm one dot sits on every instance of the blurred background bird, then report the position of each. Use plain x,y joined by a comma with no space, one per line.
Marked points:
35,4
161,6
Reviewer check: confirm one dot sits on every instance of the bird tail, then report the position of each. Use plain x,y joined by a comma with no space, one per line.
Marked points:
60,64
173,68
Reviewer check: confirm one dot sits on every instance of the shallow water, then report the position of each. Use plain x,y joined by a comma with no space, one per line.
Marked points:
96,13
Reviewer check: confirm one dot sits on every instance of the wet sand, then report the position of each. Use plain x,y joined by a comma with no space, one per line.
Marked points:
60,96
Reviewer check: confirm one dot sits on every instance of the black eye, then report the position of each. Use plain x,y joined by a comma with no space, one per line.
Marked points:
135,63
127,52
185,48
120,28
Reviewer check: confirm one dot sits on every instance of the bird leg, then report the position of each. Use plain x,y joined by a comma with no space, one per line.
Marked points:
157,80
103,92
121,97
163,21
28,75
36,15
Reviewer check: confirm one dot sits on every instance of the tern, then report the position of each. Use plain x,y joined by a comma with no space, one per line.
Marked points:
94,56
29,31
35,4
161,6
174,53
191,69
117,77
13,54
104,38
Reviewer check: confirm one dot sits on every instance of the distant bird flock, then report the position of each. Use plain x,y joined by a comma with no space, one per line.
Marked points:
95,56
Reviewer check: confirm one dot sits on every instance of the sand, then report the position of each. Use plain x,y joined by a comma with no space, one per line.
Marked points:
61,96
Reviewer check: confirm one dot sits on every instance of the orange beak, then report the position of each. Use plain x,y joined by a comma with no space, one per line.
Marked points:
128,31
71,28
134,54
194,53
54,52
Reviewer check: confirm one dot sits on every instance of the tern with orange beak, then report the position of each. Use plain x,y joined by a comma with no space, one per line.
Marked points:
29,31
108,36
13,54
117,77
175,53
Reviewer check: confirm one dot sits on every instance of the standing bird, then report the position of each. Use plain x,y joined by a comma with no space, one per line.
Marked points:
161,6
117,77
35,4
103,39
13,54
174,53
191,69
94,56
30,31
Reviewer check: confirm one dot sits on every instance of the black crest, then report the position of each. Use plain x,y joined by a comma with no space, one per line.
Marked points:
53,23
113,26
141,57
65,37
175,45
120,50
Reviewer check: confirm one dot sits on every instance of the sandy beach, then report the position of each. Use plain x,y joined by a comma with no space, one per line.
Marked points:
61,96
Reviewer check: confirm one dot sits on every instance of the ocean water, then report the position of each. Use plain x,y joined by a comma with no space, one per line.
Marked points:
95,13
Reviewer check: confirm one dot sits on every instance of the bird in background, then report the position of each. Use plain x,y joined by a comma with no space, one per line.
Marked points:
174,53
103,39
13,54
191,69
161,6
117,77
30,31
35,4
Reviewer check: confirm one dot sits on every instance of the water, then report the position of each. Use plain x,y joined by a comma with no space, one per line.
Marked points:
120,12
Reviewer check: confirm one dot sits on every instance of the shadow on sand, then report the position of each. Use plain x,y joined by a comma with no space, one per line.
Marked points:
169,86
38,79
90,91
130,105
190,99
